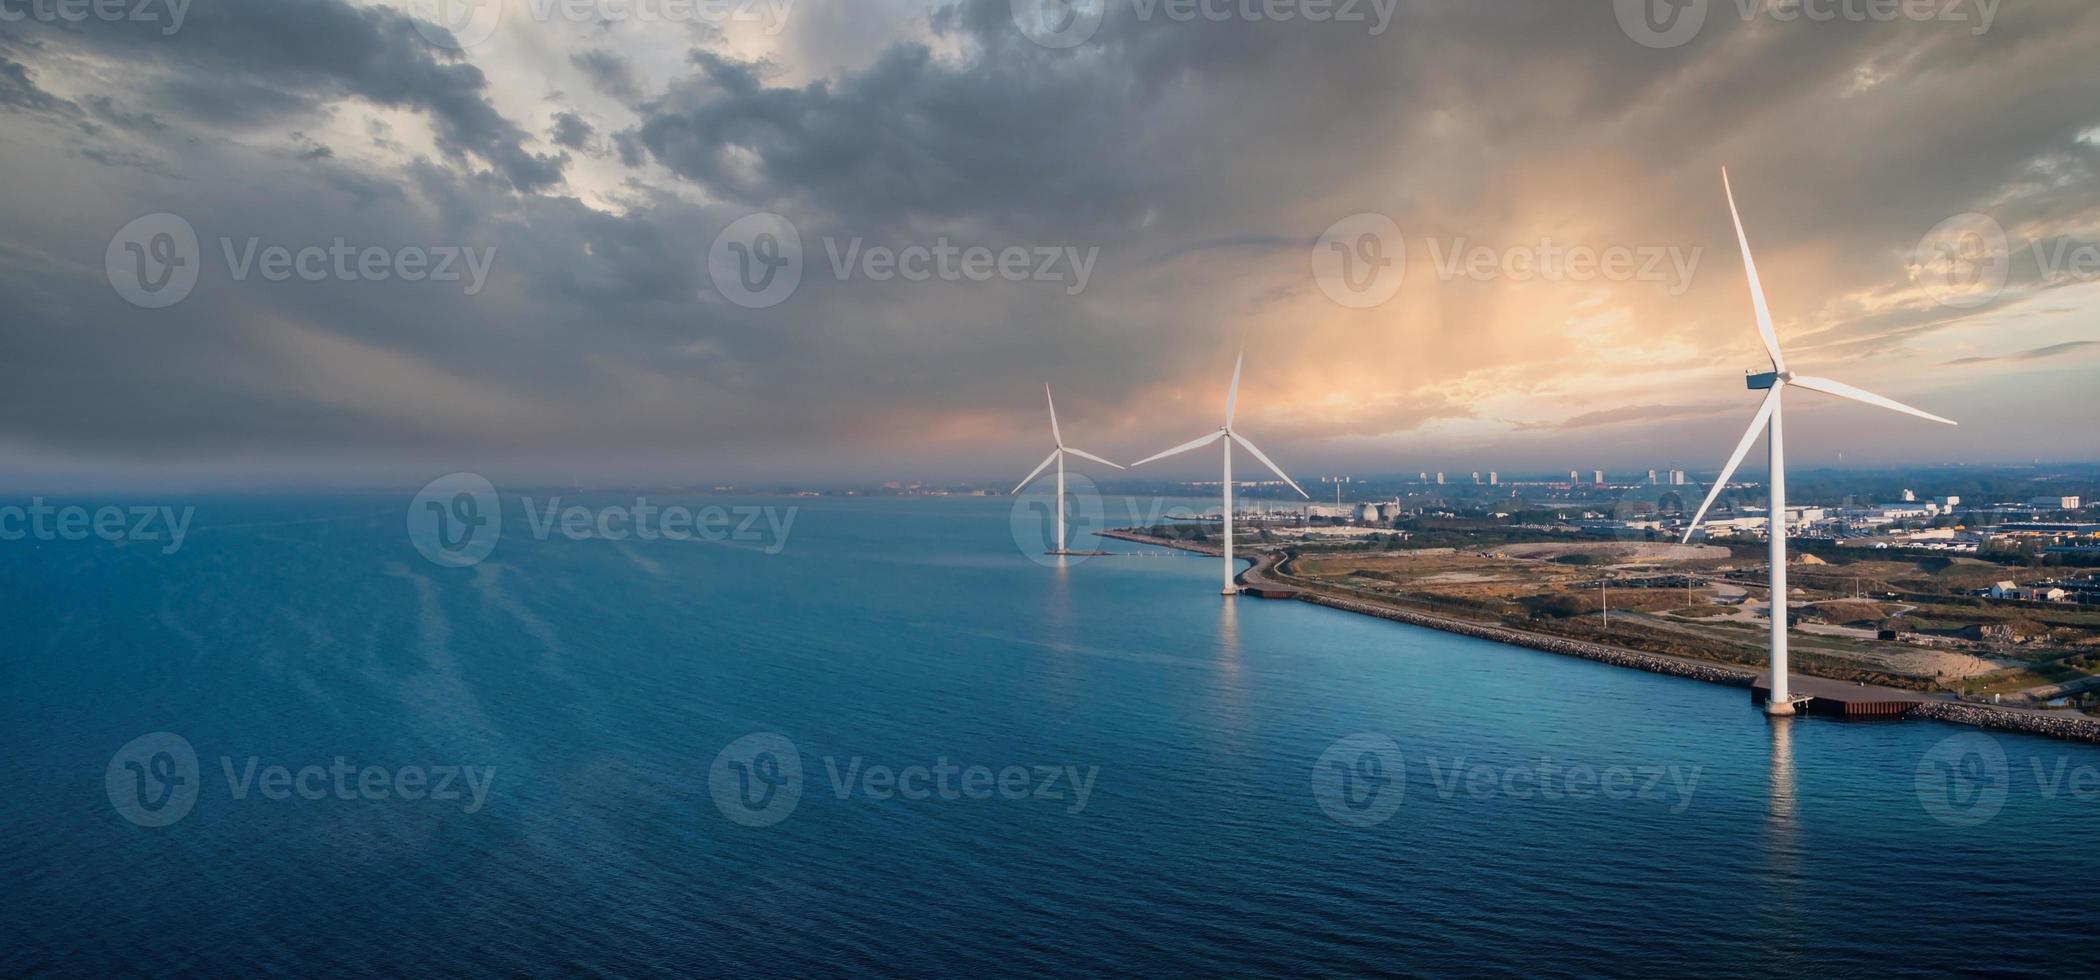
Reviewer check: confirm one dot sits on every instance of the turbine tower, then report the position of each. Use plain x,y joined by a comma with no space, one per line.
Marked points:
1057,456
1225,433
1769,418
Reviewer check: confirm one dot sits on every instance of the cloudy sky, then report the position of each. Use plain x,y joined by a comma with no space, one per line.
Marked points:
1450,234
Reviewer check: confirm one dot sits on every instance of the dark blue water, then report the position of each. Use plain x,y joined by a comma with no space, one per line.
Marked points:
600,681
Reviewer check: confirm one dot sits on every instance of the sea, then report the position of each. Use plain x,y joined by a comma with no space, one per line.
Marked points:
889,736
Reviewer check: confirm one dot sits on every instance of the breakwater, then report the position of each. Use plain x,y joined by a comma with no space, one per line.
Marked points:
1672,666
2067,726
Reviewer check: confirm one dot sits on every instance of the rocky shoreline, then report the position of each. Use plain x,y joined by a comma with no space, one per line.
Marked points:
1688,669
2070,727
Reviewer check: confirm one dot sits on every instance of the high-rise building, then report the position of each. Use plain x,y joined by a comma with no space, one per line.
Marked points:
1652,478
1494,479
1597,477
1574,477
1440,479
1677,478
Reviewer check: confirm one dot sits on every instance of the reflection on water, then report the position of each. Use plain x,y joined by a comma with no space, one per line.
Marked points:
1783,849
1785,805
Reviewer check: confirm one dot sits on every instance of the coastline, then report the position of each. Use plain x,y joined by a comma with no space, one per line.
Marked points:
1932,708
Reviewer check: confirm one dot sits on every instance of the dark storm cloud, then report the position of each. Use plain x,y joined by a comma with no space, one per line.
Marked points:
1203,159
571,130
246,63
609,73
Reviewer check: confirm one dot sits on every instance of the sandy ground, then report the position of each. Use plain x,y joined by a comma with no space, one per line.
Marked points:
1624,550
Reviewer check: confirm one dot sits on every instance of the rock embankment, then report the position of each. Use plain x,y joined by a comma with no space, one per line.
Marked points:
1193,547
1710,673
2019,722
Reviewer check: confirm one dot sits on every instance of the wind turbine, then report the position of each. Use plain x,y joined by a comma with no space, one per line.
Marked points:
1225,433
1769,417
1057,456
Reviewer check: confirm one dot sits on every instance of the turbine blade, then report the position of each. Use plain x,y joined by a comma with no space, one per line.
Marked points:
1829,387
1757,428
1038,471
1271,464
1757,286
1054,434
1184,447
1082,454
1232,398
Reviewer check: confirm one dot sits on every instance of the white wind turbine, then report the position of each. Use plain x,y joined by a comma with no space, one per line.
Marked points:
1057,456
1769,418
1225,433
